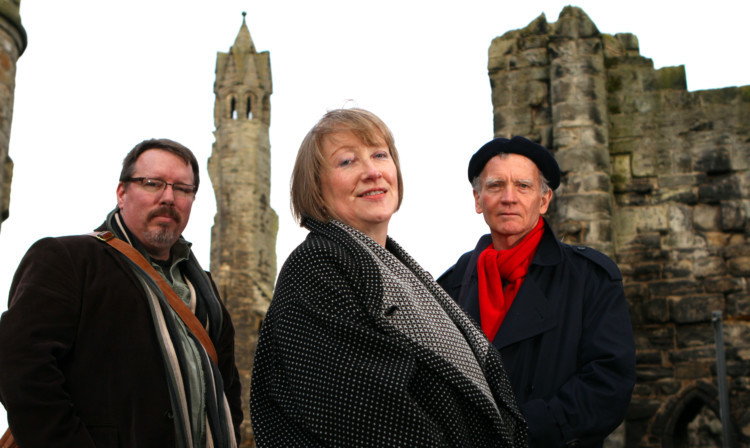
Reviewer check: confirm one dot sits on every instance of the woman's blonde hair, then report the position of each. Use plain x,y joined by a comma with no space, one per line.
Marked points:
306,194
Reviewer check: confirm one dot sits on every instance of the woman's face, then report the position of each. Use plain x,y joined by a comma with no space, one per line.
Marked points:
359,183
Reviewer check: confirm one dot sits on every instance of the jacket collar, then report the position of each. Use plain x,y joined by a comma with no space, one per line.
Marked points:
531,312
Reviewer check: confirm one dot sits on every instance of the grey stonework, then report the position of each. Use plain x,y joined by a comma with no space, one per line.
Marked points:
243,238
658,178
12,44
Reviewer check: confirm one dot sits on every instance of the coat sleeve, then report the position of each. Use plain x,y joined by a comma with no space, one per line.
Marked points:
593,401
36,332
324,373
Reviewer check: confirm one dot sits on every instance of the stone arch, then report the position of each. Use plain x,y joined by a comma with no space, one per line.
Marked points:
250,106
232,107
672,423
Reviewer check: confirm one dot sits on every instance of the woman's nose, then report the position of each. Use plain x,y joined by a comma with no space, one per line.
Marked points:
371,171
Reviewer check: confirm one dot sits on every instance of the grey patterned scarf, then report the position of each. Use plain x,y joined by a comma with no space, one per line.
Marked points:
190,371
426,313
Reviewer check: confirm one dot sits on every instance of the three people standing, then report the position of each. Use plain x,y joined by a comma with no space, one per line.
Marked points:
360,346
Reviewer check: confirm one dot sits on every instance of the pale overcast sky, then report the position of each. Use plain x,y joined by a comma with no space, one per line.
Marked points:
99,77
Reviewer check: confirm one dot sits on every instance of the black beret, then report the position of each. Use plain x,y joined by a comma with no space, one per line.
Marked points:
517,145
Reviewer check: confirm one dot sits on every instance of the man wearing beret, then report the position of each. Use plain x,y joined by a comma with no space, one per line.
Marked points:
557,313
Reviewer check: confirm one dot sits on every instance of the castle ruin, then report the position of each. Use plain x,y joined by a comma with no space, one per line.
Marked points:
12,44
243,239
658,178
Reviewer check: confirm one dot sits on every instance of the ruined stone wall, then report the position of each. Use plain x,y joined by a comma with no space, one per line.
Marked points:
658,178
12,45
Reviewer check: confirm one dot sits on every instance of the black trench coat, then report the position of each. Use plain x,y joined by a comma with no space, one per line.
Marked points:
566,342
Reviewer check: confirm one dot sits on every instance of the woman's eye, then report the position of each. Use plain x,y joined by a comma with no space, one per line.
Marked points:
381,155
346,162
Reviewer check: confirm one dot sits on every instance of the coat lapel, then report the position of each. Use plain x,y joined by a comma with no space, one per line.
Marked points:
530,315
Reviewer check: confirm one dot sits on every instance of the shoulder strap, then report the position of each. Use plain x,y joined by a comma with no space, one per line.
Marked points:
175,302
7,441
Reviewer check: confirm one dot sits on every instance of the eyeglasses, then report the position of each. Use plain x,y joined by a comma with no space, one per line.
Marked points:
153,185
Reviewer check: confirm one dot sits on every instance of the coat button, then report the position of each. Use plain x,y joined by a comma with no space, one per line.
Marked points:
169,414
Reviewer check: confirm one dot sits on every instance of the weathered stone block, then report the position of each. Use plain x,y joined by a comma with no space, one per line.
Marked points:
680,218
657,310
534,41
585,207
499,48
647,271
694,335
648,357
651,162
683,240
720,190
643,390
715,240
722,285
584,182
706,217
643,409
574,23
737,334
651,219
713,161
703,352
635,292
695,308
678,269
733,215
738,303
709,266
736,247
684,195
681,180
739,266
671,78
693,370
652,373
657,337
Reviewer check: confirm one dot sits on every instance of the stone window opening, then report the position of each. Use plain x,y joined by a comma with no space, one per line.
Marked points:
249,109
233,108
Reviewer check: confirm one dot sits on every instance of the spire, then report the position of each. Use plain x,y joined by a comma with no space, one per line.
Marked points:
243,44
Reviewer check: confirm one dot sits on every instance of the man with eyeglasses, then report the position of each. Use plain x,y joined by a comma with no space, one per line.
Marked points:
94,352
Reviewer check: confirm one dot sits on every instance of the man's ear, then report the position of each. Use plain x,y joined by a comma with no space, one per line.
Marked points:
477,202
120,193
546,199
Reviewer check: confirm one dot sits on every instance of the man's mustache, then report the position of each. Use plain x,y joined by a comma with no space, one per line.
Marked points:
165,211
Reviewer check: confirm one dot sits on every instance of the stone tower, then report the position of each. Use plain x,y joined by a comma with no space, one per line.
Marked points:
12,45
658,178
243,243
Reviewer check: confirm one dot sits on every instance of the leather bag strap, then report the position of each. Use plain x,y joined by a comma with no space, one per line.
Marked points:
175,302
7,441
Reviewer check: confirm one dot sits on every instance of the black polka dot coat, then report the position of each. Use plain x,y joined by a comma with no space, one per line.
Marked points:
361,348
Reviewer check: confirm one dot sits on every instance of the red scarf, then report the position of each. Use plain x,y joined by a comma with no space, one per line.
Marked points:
504,267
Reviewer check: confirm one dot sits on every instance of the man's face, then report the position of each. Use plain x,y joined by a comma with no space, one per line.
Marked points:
511,198
157,219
